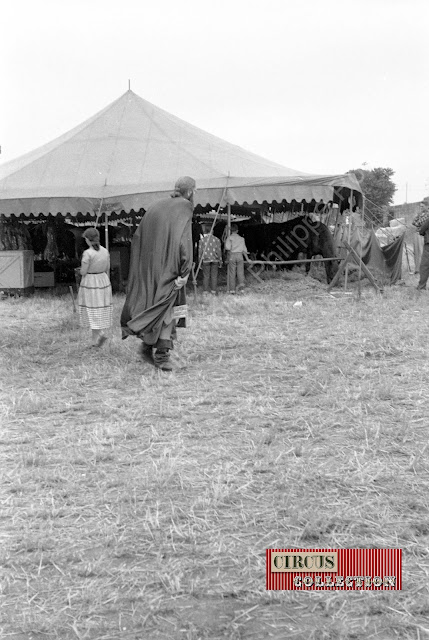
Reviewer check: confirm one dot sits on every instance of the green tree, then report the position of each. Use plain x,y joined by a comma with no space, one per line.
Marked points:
378,188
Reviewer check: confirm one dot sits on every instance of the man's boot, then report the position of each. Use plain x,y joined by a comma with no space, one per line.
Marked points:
147,352
161,360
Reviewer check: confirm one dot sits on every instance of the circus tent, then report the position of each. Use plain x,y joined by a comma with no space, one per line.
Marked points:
130,154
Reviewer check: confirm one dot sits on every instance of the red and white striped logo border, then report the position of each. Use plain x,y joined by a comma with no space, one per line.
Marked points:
334,569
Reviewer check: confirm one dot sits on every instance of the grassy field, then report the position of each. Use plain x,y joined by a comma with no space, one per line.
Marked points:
138,504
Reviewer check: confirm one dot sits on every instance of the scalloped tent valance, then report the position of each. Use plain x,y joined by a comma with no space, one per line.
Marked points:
130,154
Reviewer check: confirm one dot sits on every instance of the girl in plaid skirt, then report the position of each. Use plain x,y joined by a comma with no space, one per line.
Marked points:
95,291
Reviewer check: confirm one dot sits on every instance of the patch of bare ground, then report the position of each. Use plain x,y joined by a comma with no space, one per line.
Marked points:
137,504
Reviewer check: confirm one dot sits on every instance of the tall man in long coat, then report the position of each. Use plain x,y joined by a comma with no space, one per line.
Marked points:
161,261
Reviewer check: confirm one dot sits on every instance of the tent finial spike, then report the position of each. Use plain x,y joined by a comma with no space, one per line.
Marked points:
129,84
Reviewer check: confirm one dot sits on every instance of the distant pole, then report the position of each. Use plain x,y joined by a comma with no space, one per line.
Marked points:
129,85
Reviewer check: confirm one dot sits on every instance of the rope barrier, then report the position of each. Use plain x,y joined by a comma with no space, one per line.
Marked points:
279,262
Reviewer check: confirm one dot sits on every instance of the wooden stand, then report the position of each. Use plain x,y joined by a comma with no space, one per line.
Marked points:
17,272
352,255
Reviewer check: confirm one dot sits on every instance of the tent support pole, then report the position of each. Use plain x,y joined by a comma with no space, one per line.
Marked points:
106,230
194,282
228,226
211,230
195,273
348,236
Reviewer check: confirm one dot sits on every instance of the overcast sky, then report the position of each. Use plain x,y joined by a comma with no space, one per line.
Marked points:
319,86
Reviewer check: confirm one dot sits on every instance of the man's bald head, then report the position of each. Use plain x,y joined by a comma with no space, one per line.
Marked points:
185,188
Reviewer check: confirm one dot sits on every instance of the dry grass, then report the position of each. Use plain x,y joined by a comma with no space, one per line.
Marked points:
137,504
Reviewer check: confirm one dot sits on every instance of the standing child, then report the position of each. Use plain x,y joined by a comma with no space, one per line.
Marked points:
237,251
95,291
210,252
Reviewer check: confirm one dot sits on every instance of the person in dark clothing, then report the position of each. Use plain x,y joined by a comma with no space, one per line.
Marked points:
424,261
161,261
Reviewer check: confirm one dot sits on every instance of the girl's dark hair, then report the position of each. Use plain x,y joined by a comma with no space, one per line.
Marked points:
93,236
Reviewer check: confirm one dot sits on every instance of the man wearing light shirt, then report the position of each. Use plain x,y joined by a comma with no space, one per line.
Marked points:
237,251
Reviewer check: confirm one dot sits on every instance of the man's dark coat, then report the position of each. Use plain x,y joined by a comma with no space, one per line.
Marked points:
161,251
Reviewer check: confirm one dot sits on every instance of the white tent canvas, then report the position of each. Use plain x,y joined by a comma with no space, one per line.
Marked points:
130,154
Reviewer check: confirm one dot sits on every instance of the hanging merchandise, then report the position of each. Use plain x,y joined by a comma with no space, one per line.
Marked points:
51,252
14,236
